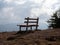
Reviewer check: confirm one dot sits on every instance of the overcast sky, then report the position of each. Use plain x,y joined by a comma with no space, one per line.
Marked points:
14,11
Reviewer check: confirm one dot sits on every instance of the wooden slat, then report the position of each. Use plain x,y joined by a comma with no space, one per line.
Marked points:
30,22
31,18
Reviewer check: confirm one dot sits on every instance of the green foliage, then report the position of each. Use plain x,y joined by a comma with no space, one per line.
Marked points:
54,21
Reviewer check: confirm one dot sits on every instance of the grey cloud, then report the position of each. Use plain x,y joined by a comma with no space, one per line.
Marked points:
24,10
56,5
21,11
2,4
5,4
44,17
43,26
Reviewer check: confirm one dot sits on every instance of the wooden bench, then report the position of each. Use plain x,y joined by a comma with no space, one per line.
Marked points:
29,22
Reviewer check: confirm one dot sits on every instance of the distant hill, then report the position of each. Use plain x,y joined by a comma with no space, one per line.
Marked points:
39,37
9,27
13,27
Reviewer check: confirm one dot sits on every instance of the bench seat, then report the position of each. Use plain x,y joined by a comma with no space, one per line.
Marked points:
29,22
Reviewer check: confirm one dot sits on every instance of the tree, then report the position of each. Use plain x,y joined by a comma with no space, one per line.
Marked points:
54,22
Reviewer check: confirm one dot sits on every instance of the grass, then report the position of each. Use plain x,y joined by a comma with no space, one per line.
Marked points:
43,37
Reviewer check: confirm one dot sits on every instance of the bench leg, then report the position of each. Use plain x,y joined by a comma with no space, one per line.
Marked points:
20,28
31,27
36,27
26,28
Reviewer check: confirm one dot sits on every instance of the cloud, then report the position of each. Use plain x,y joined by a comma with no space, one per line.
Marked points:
47,7
17,2
7,16
8,1
14,11
2,4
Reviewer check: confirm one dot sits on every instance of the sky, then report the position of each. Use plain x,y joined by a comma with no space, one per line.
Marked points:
14,11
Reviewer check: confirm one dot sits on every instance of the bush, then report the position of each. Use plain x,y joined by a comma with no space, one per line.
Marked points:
49,44
52,38
10,38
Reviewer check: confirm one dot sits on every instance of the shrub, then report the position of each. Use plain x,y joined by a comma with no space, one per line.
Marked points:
52,38
10,38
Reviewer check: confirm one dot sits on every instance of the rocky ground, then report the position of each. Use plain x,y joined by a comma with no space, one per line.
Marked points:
39,37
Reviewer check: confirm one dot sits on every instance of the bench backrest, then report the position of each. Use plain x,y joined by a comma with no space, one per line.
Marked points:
31,21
